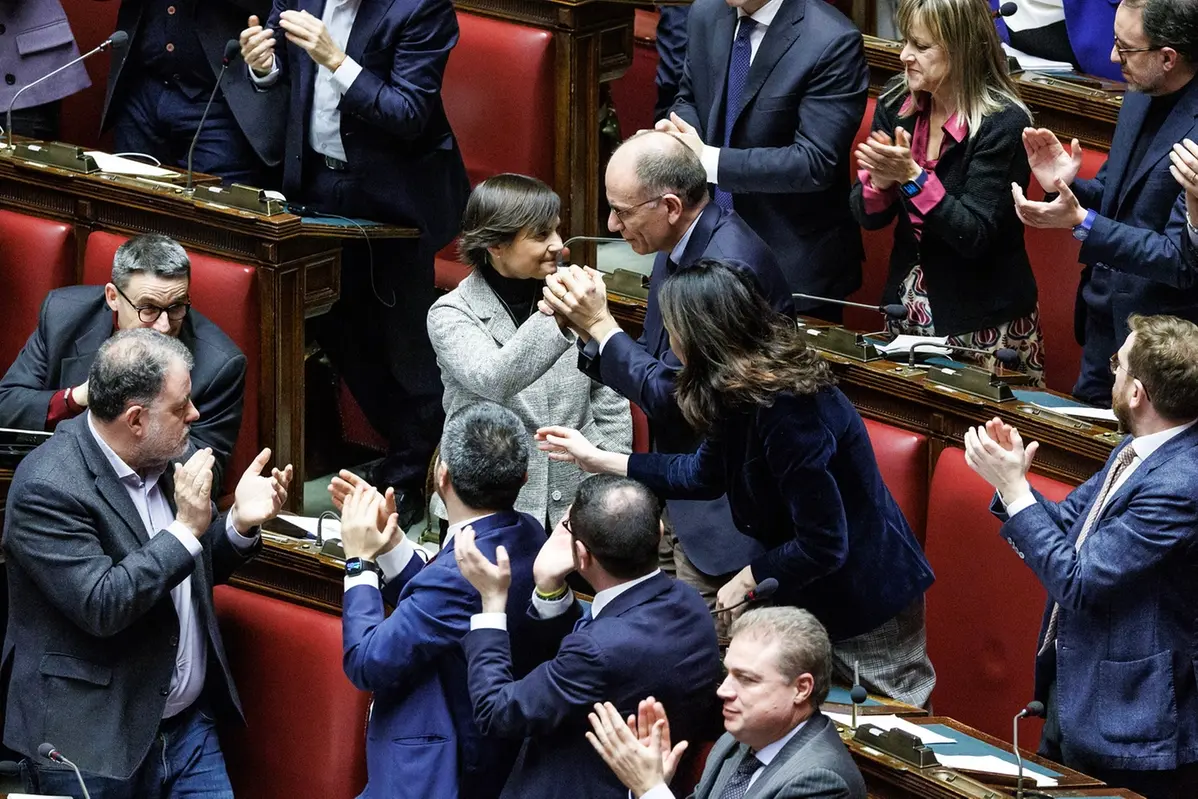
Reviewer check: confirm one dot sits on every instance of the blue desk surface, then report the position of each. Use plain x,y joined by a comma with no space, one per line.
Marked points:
840,696
968,745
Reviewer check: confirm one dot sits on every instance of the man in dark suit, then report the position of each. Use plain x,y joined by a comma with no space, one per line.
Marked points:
151,277
644,634
772,94
37,40
113,650
657,191
1115,664
367,137
1131,217
159,85
776,741
421,739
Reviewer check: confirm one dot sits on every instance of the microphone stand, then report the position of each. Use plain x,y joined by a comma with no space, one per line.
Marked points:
231,49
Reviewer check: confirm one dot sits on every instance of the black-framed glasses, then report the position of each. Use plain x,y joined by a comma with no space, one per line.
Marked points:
1123,51
149,314
566,525
621,213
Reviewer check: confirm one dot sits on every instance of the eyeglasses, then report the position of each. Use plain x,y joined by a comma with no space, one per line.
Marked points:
566,525
622,213
1123,51
149,313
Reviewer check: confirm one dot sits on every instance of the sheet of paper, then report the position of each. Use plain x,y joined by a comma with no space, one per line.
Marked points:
331,528
992,764
893,722
1035,63
116,165
905,343
1080,412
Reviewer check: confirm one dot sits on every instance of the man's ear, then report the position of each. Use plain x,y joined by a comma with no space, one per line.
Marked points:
582,556
440,476
110,296
137,419
804,687
1172,58
674,206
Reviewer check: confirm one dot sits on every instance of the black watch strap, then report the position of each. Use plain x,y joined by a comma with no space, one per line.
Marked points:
357,566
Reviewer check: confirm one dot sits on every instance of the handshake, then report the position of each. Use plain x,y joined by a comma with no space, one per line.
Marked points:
577,298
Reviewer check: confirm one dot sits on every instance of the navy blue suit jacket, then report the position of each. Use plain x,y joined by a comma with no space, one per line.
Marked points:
1134,262
1126,660
787,162
644,371
422,739
655,639
801,477
393,123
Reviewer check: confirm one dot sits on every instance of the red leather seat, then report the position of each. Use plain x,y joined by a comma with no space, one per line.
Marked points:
985,608
903,461
305,732
226,293
36,255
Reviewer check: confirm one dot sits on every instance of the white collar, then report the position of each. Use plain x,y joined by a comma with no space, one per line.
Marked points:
768,752
680,247
603,598
124,472
454,529
1146,445
764,15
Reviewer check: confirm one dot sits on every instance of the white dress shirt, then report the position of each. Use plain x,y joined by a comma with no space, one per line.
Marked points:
710,157
191,656
324,125
766,755
392,563
552,608
1143,445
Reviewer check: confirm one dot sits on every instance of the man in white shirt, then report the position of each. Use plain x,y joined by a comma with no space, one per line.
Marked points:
1118,556
779,669
367,138
113,645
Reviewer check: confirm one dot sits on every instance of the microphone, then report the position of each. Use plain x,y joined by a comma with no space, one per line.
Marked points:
116,41
232,48
893,310
857,694
48,751
758,593
1005,10
561,258
1004,355
1033,709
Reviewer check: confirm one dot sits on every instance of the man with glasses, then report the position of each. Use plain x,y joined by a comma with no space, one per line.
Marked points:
150,288
1115,662
1130,218
657,189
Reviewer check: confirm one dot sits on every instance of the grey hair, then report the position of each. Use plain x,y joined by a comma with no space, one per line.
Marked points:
151,254
671,170
485,448
803,645
130,369
1171,23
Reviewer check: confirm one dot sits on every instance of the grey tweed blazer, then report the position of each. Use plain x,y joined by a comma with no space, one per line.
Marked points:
814,763
532,370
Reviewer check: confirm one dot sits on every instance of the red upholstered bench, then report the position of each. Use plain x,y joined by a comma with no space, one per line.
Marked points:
903,461
305,732
36,255
226,293
985,608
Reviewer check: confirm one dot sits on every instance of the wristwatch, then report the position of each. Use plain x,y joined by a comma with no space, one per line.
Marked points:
356,566
1082,231
913,187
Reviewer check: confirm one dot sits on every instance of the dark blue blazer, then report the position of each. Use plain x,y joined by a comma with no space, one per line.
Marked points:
656,639
393,123
1126,658
1133,256
644,371
421,739
787,163
801,478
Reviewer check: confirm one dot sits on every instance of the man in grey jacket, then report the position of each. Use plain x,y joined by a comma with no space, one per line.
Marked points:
776,741
36,39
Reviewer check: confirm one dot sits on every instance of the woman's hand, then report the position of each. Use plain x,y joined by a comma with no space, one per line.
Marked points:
570,446
888,163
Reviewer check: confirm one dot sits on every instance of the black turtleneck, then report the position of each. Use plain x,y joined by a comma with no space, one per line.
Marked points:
1158,111
518,295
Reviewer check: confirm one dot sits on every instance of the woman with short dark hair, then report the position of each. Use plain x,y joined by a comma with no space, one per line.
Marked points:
492,344
794,458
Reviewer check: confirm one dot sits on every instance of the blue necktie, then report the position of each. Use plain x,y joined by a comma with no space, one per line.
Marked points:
738,785
738,74
585,620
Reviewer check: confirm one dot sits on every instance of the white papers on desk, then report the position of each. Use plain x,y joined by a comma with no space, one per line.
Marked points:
893,722
114,164
905,343
993,764
1080,411
329,528
1032,63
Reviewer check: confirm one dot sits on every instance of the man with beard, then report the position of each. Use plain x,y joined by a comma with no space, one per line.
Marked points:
1131,217
113,647
1115,665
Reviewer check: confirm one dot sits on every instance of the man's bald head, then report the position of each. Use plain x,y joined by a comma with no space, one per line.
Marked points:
660,163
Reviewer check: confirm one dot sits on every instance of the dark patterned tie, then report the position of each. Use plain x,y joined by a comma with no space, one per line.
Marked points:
738,73
739,784
1122,461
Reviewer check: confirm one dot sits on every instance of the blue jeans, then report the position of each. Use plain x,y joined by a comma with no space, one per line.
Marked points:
184,761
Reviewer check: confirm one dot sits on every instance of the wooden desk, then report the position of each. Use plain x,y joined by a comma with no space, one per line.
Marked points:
298,265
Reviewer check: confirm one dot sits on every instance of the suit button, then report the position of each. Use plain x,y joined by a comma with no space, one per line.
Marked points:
174,640
164,691
557,496
10,79
170,10
170,48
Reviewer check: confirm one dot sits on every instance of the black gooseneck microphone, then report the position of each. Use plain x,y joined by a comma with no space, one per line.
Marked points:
232,48
1004,355
48,751
1005,10
758,593
116,41
892,311
1033,709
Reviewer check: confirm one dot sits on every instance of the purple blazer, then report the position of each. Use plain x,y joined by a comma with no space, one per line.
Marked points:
36,40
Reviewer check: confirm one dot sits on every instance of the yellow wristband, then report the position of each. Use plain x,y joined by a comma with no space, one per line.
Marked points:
558,594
